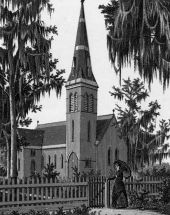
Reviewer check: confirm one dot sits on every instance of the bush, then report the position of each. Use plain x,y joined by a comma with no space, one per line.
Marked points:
3,171
165,191
83,210
138,200
157,170
145,202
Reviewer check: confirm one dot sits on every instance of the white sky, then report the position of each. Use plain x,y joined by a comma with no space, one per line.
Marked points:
65,17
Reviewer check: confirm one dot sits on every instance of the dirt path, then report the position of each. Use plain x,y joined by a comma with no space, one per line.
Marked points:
107,211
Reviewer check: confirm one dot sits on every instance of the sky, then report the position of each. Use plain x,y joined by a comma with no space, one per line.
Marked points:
65,17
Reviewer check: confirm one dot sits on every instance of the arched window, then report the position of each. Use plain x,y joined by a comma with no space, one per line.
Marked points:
71,103
55,161
109,157
91,103
62,161
88,131
75,102
86,102
72,133
49,159
116,154
32,168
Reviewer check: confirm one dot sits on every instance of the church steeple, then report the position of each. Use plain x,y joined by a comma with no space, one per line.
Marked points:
81,104
81,66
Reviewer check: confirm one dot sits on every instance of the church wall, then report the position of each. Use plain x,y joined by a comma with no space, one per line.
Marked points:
83,147
73,116
123,150
27,156
87,147
20,167
109,141
58,152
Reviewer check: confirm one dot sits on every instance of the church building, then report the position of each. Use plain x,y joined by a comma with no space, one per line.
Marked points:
85,140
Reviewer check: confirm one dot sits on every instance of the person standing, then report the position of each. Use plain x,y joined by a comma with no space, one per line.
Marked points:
119,186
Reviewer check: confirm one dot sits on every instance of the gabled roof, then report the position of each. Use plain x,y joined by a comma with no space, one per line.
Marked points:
103,123
32,137
54,133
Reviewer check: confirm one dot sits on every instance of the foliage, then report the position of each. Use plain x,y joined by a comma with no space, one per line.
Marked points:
165,191
2,171
146,202
27,69
36,175
138,199
76,173
49,171
157,170
84,175
137,125
83,210
138,30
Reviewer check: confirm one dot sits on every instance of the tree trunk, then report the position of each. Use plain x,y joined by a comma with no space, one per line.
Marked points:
13,167
8,155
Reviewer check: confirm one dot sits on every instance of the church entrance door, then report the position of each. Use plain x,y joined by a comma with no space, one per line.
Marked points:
72,163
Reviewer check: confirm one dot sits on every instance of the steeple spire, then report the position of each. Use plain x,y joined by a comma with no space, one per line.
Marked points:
81,67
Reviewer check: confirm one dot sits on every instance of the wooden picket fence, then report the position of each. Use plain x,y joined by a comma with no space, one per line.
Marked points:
42,194
148,184
97,191
38,194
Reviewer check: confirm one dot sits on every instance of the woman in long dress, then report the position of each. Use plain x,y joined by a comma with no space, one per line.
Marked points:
119,186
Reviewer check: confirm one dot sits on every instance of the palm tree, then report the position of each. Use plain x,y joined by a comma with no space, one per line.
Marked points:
25,58
139,30
137,126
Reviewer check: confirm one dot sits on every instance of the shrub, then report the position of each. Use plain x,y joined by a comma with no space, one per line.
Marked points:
165,191
138,200
83,210
157,170
3,171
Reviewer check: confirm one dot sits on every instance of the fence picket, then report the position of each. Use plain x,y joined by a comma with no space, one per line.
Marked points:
44,192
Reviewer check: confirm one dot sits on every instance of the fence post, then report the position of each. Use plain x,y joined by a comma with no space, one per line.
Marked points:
106,194
87,192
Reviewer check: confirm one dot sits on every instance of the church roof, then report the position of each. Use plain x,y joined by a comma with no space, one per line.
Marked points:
55,133
81,67
101,128
31,137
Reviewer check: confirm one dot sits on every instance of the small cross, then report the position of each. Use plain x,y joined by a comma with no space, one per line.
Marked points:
82,1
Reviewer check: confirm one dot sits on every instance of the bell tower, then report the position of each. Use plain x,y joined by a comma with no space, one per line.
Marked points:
81,103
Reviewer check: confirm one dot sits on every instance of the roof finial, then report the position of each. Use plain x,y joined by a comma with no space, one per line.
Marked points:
82,1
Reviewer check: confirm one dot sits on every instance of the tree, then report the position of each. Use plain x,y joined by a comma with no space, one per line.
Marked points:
25,61
50,172
137,126
139,30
